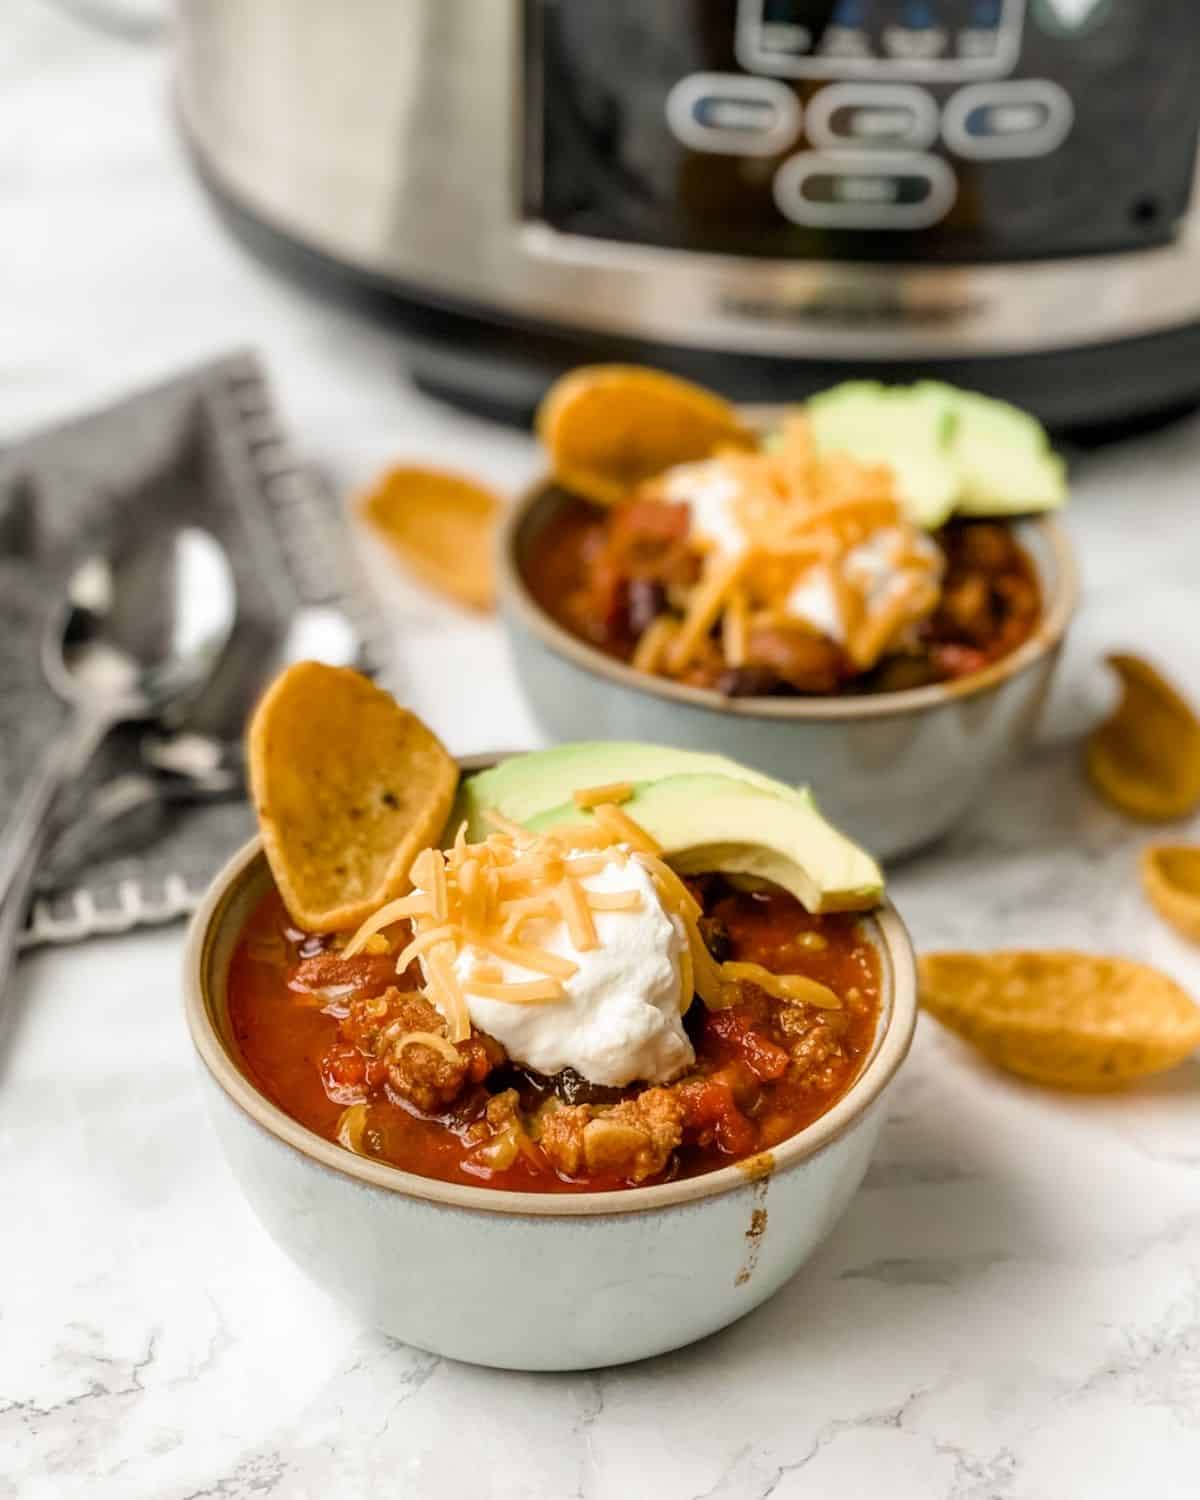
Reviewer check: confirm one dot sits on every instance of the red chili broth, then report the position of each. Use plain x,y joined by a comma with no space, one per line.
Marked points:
281,1037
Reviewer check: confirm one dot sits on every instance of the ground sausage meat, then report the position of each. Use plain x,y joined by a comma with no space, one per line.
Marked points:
633,1139
813,1040
422,1074
365,973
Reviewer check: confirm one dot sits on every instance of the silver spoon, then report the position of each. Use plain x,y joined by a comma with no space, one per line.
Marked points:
184,768
101,660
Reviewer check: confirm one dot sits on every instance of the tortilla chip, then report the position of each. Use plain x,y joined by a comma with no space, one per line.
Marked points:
1145,759
607,428
1070,1020
1171,879
348,787
442,526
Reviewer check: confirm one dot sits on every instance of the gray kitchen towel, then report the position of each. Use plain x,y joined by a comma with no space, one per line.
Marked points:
204,449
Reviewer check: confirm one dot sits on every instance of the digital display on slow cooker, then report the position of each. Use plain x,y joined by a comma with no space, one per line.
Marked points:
862,129
879,38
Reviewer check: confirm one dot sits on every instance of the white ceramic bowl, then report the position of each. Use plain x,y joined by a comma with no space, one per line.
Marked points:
533,1281
893,770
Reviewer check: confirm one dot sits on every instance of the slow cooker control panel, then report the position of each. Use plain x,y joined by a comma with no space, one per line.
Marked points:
862,129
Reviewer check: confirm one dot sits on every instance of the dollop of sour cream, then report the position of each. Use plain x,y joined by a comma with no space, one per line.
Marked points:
620,1019
709,488
877,567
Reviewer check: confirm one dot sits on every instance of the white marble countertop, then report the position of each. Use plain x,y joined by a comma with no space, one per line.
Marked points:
1010,1309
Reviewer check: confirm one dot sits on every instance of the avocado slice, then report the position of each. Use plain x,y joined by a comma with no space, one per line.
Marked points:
950,450
1004,460
526,785
710,822
907,427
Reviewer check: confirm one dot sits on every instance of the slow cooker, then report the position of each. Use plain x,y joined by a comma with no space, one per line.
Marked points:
763,194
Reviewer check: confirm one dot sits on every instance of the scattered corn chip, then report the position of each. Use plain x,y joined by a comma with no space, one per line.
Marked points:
1171,878
1070,1020
1145,759
442,526
348,786
607,428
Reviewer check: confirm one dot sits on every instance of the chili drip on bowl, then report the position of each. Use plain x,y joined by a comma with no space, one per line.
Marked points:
783,571
640,1026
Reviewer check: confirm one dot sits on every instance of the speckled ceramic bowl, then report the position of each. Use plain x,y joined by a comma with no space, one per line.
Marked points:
533,1281
893,770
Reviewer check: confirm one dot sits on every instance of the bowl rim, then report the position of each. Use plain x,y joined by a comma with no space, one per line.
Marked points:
1049,632
891,1047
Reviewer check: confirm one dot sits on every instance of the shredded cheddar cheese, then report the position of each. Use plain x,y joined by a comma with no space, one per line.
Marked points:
506,827
797,511
481,895
614,900
572,902
592,796
537,959
415,905
529,992
653,645
784,986
428,1039
442,988
623,830
704,609
733,627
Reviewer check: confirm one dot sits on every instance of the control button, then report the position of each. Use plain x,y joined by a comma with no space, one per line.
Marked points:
1026,117
864,190
883,114
733,115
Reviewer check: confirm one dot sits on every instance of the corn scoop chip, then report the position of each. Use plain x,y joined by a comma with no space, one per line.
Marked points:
348,788
442,526
1069,1020
1145,759
1171,879
607,428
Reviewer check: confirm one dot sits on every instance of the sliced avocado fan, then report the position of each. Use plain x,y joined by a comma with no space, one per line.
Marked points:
1005,463
710,822
526,785
950,450
904,427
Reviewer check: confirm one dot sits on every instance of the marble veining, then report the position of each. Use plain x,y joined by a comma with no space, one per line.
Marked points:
1010,1309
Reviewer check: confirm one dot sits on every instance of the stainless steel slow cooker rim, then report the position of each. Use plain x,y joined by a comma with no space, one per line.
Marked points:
515,593
277,157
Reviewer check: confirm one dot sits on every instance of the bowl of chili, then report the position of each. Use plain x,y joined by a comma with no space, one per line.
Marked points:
545,1263
896,760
